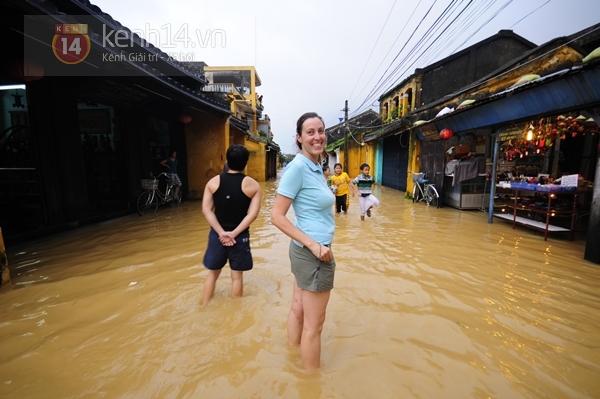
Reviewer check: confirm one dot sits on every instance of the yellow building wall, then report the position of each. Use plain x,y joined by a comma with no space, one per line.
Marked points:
414,156
357,155
251,97
206,142
413,84
256,167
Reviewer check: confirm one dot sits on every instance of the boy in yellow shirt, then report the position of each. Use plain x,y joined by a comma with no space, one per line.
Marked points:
342,181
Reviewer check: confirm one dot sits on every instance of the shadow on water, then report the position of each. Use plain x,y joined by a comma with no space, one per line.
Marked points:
428,303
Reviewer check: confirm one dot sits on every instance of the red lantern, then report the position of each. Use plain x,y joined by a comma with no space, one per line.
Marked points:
25,71
184,118
446,133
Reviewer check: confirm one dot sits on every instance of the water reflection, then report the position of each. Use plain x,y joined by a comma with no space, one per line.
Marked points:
428,303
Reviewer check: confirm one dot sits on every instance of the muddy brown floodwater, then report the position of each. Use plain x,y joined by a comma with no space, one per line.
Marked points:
428,303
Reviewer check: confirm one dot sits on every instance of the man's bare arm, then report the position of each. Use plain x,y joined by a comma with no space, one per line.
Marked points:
251,188
208,205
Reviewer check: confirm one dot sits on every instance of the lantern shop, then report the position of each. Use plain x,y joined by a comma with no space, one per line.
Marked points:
542,169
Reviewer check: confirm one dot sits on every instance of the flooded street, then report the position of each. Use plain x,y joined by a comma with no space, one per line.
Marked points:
428,303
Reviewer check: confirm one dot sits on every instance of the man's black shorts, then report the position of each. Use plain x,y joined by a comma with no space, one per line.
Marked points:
239,255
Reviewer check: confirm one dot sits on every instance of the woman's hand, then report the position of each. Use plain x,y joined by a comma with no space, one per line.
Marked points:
322,252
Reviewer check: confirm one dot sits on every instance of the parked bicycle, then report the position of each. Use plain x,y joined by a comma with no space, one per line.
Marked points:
152,197
425,191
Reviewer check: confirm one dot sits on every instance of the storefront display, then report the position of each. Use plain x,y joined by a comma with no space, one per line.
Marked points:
538,210
533,166
537,140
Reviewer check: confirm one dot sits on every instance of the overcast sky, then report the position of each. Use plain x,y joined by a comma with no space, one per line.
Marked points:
312,55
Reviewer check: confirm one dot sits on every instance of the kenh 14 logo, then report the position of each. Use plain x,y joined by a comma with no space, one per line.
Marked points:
71,43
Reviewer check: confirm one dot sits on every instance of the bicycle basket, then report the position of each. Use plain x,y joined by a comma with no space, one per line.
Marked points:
149,184
418,177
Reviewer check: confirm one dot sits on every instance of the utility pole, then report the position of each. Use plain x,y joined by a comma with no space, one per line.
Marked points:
346,130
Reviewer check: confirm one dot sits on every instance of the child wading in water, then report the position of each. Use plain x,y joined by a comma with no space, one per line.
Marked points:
363,182
327,173
341,181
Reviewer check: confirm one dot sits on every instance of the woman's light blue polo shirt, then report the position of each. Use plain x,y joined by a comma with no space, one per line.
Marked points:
303,181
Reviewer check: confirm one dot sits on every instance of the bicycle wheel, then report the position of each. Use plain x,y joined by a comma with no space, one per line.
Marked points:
168,197
173,198
177,199
432,197
416,193
147,201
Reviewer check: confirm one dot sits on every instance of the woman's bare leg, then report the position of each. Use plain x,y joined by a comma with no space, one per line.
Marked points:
295,319
315,306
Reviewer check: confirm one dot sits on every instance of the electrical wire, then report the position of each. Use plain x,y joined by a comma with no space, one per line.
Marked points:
434,41
426,47
412,34
516,23
422,43
434,53
452,37
373,49
456,19
484,24
391,47
423,40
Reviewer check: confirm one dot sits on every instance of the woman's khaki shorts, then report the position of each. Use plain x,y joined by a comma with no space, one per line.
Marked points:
311,274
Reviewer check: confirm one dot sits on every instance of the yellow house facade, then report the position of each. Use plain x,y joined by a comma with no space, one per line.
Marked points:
401,100
346,142
396,104
209,136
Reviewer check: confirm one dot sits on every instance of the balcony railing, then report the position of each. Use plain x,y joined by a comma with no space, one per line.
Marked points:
224,88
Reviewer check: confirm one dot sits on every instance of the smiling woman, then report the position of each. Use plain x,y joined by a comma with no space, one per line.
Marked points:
312,140
302,186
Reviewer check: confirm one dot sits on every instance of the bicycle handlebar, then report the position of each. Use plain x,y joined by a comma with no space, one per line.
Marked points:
159,175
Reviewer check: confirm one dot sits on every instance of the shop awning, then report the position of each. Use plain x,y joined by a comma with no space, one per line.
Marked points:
568,90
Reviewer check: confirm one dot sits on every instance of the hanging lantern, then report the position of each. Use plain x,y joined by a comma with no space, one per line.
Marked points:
529,135
446,133
25,71
184,118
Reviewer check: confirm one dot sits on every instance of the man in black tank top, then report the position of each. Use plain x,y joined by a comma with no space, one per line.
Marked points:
230,204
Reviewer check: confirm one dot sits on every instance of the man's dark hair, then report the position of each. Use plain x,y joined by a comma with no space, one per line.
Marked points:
237,157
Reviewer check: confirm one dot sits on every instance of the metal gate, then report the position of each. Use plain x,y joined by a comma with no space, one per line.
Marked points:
395,161
433,162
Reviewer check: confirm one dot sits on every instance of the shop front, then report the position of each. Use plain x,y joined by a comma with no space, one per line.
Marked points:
544,173
539,133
